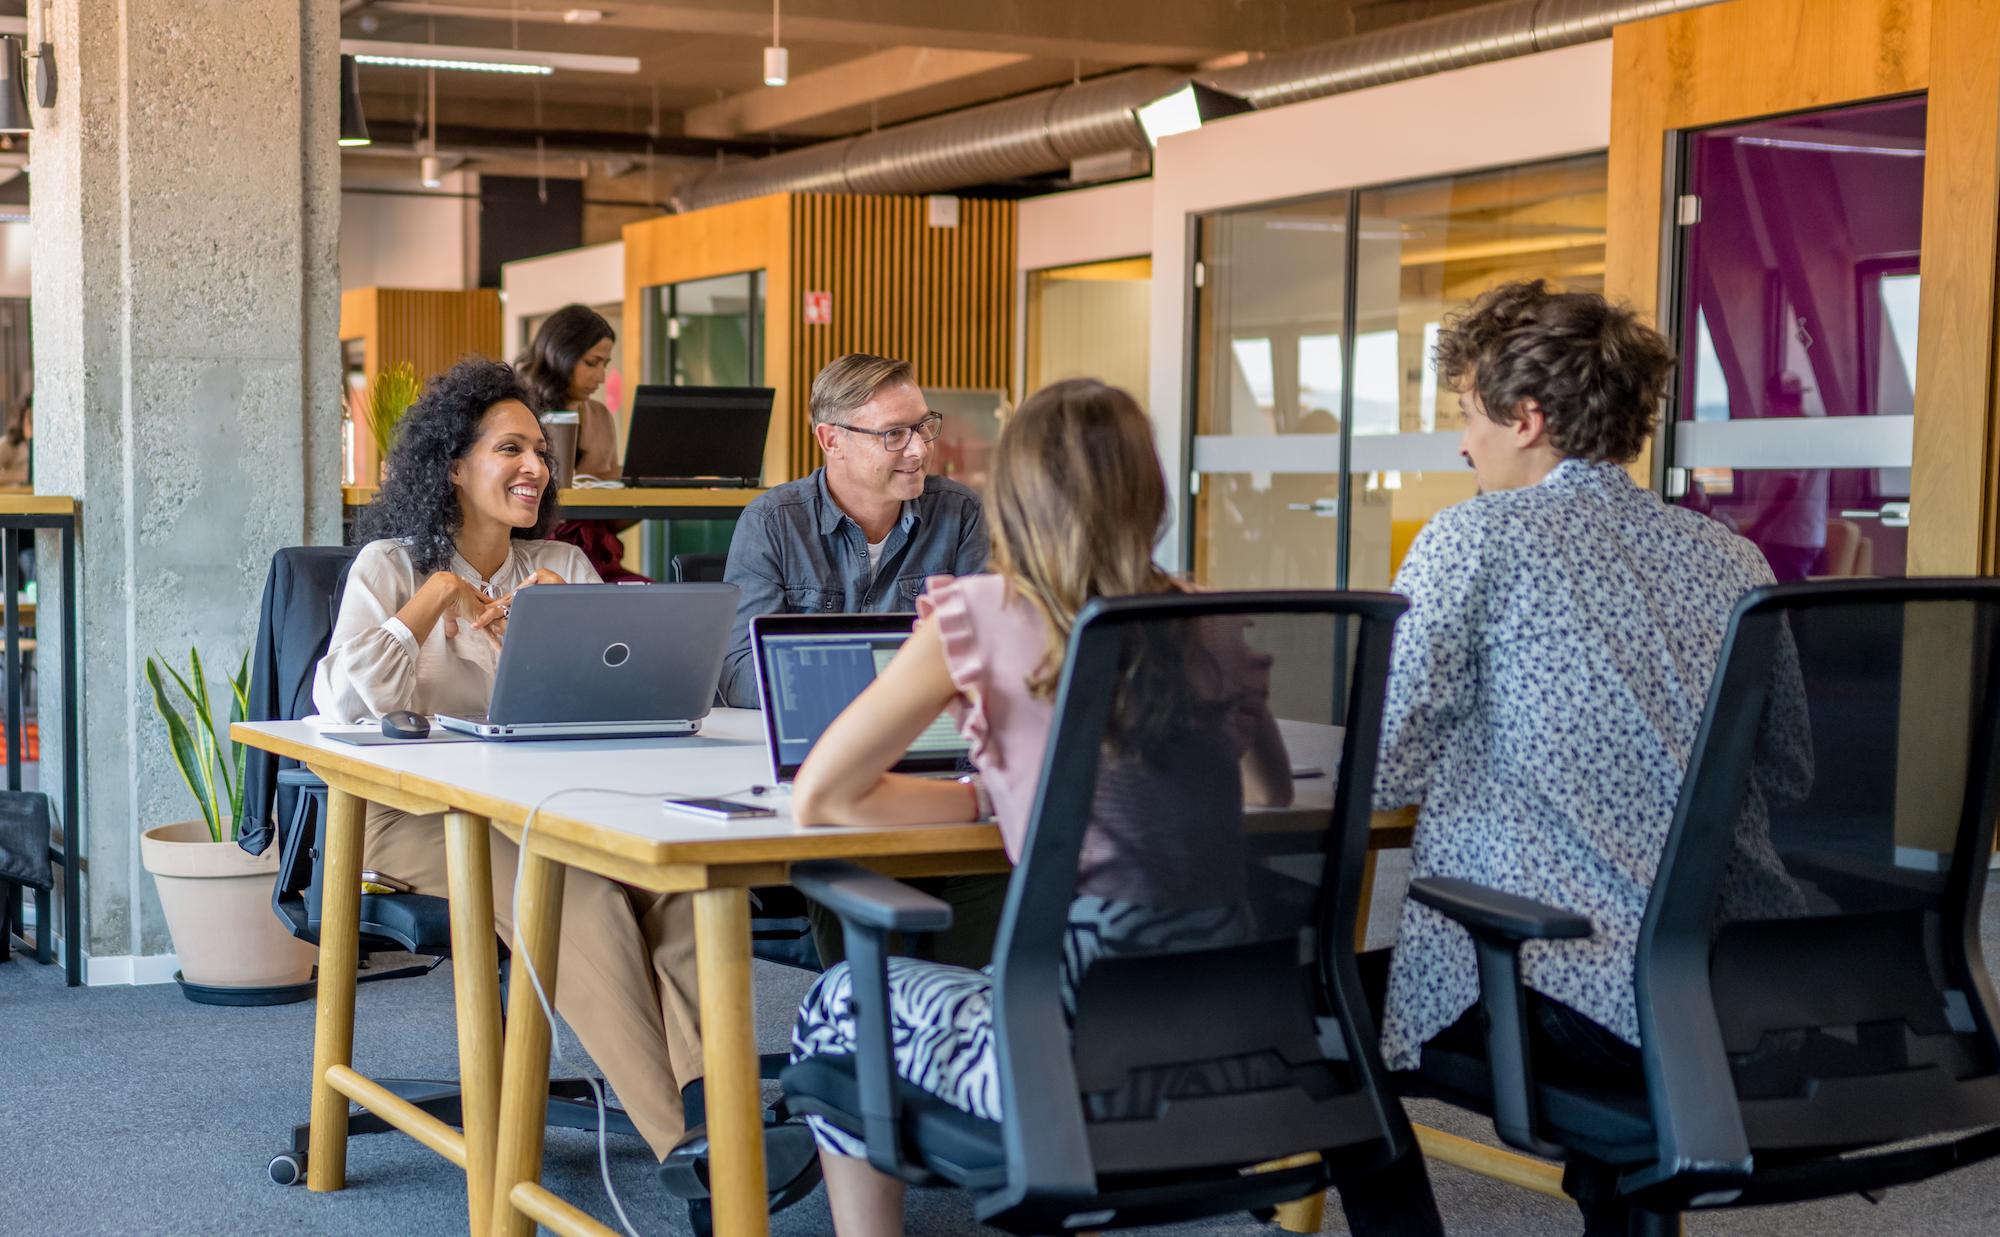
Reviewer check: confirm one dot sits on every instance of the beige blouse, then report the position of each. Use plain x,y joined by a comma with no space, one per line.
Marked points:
374,663
596,442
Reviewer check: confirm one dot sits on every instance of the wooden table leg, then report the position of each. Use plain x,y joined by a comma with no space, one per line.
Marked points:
339,957
729,1055
524,1085
1367,907
475,972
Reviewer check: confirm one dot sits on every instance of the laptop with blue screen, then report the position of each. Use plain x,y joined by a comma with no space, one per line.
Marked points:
811,666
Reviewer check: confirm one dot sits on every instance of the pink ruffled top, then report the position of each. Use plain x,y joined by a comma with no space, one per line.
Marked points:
993,640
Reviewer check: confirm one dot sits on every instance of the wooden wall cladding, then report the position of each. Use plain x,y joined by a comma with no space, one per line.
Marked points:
753,235
939,298
1753,58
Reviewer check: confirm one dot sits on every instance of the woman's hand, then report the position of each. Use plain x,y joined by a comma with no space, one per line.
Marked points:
446,596
492,619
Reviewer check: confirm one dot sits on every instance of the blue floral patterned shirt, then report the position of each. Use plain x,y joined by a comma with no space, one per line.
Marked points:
1545,690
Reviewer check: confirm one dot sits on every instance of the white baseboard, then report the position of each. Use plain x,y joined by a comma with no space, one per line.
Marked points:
130,969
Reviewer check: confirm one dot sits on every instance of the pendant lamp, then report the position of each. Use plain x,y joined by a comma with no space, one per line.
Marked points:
14,117
353,125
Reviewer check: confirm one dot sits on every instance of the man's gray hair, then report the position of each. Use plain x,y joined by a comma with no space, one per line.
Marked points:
850,381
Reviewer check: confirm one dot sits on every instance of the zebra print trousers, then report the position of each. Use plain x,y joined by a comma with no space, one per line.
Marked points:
942,1016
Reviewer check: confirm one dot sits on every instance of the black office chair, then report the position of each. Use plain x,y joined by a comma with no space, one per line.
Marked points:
301,602
1213,1033
699,568
1785,1054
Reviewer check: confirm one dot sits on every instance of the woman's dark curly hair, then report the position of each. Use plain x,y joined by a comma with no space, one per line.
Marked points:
1596,370
417,500
550,362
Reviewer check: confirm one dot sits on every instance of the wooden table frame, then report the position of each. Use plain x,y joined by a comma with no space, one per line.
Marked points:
504,1087
503,1107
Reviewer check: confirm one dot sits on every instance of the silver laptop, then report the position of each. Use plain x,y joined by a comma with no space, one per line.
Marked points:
605,661
811,666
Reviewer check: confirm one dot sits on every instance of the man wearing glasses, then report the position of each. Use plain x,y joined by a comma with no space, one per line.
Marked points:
863,534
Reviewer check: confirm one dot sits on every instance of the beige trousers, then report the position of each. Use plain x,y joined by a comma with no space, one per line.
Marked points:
625,982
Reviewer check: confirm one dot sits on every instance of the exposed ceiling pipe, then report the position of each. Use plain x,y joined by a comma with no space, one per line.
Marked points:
1046,131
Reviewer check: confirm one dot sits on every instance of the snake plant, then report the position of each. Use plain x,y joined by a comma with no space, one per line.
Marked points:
197,748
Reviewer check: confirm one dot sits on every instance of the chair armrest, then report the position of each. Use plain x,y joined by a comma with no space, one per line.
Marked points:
870,907
1502,916
869,899
1499,923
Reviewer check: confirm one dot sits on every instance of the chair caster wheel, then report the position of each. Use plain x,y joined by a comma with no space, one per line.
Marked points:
289,1168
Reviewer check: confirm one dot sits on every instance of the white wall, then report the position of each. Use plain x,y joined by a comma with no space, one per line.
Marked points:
1513,111
1086,225
594,275
397,234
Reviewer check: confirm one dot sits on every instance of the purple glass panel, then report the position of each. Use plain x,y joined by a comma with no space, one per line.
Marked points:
1813,522
1800,292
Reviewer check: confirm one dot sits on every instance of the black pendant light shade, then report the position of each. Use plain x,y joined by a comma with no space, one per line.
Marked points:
353,125
14,116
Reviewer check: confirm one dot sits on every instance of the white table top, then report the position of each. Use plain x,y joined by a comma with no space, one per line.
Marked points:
569,778
725,760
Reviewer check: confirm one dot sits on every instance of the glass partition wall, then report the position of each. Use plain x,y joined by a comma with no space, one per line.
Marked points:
1797,315
1290,397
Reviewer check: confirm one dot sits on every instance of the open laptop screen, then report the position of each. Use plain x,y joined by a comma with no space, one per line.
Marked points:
810,667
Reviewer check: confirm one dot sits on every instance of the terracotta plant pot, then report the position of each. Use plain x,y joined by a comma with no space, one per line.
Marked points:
217,900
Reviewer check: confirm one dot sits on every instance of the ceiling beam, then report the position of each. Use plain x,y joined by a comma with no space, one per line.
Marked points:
852,83
640,15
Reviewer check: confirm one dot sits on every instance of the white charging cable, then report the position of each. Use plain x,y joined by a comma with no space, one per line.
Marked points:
541,994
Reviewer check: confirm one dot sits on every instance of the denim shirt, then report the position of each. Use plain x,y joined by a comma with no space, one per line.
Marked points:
796,552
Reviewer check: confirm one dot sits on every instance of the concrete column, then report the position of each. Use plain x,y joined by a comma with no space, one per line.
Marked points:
186,317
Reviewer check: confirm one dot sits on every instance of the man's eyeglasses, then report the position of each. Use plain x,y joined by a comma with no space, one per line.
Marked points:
898,439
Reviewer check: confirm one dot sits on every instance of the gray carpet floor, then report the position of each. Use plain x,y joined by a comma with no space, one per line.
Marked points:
134,1111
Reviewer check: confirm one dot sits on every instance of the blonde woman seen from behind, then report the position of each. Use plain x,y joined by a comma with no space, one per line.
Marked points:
1076,505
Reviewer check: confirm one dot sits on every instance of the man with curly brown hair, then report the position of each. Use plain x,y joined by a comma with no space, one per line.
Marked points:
1549,677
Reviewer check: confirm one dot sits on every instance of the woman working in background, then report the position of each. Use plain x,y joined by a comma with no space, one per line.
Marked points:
460,524
562,370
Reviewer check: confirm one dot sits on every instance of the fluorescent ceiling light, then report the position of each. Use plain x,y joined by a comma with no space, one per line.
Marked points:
1188,108
482,59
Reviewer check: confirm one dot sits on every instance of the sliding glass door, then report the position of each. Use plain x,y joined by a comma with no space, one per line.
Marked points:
1286,406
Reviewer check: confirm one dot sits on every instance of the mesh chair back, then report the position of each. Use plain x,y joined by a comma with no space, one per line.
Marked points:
1812,944
699,568
1162,1004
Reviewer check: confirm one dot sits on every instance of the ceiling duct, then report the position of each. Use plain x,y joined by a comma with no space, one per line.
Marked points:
1046,131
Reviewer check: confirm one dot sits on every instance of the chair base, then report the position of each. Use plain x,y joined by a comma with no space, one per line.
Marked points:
281,994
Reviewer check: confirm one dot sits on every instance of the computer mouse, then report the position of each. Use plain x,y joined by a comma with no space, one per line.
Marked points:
403,724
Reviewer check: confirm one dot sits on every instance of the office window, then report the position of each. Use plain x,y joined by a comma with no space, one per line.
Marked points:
1798,290
1091,321
706,332
1275,288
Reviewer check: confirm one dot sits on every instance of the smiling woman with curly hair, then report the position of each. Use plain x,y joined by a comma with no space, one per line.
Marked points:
459,526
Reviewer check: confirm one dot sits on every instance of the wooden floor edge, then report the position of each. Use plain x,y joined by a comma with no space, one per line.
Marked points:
552,1213
1495,1162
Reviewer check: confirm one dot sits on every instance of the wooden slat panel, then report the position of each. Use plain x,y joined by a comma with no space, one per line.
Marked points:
940,298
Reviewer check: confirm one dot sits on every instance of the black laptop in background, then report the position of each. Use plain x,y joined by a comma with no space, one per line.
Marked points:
697,437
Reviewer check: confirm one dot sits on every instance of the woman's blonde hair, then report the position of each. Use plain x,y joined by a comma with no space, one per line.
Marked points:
1075,506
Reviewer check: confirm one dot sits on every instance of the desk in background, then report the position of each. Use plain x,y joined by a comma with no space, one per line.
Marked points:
614,504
